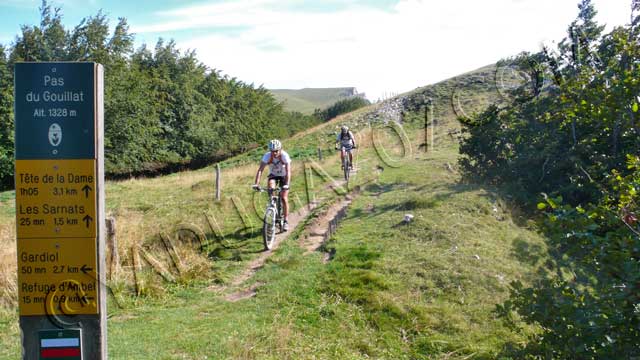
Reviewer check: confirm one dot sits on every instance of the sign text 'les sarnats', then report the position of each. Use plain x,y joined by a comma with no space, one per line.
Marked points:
56,188
56,198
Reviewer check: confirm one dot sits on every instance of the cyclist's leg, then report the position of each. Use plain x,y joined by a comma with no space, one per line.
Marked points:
351,157
285,204
342,153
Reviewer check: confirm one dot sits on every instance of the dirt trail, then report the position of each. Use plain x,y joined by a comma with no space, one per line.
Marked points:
325,225
257,263
311,239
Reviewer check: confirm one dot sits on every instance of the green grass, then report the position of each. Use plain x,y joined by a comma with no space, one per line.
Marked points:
7,204
425,290
437,279
308,99
422,290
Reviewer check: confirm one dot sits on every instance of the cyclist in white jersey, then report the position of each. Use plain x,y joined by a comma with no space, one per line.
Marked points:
279,172
347,142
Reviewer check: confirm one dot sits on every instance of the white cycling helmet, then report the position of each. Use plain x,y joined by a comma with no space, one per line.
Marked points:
275,145
344,128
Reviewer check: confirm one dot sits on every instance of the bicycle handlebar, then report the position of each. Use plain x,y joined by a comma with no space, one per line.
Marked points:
339,147
263,189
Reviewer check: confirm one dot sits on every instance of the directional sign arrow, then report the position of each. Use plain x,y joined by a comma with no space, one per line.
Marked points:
86,190
85,269
85,299
87,220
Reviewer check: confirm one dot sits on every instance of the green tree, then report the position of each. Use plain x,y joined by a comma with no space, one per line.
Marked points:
89,40
6,121
341,107
577,142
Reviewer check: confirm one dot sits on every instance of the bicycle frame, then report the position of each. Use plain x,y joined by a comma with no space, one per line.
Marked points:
346,162
276,201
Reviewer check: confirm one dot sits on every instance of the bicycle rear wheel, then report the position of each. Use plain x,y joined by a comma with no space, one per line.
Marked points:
269,228
279,217
346,164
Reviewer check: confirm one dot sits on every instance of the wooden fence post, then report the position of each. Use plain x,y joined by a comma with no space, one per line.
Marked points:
112,245
218,182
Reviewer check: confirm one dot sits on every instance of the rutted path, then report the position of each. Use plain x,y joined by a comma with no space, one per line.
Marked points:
311,240
294,220
325,225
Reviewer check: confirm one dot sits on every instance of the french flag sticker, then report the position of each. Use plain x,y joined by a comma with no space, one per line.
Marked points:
60,344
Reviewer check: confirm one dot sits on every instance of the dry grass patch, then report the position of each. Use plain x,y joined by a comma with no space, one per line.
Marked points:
131,229
183,179
8,265
239,174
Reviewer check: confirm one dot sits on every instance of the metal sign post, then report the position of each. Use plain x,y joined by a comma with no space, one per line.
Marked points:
59,176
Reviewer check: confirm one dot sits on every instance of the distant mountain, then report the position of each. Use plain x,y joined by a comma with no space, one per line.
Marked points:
308,99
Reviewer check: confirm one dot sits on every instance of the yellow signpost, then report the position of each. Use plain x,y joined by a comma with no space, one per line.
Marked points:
56,198
57,272
59,175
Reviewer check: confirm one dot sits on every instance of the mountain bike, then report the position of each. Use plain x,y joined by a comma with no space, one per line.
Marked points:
346,163
272,217
345,166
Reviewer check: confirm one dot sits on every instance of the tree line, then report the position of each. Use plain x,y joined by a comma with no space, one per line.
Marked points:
163,107
568,144
341,107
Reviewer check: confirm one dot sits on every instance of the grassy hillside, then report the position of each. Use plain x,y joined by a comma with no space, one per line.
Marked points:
426,290
308,99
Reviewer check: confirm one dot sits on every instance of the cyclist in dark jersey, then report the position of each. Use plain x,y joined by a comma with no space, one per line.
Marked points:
346,142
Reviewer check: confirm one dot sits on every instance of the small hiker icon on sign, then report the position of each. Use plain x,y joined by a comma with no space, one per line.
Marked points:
55,134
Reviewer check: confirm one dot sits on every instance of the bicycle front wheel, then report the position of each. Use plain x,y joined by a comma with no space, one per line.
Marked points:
346,165
269,228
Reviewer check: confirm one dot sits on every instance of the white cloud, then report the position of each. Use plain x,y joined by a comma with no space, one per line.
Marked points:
417,43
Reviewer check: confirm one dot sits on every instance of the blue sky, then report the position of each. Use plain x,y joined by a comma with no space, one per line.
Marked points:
14,13
380,47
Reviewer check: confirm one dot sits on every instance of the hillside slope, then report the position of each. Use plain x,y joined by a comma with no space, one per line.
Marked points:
308,99
424,290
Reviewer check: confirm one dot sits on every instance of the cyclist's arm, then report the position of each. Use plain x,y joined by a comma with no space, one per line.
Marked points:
259,173
353,138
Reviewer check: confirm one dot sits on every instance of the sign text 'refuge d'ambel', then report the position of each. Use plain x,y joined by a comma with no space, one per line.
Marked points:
57,273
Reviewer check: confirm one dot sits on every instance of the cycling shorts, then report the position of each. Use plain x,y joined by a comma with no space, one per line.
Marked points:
347,148
279,180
